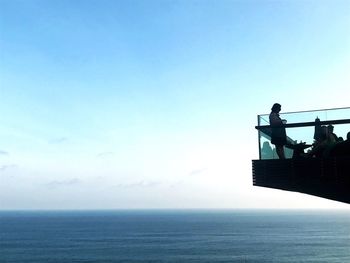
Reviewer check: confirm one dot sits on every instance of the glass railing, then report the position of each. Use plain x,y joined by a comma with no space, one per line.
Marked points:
300,127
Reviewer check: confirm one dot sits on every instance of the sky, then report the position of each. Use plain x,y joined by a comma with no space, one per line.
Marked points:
152,104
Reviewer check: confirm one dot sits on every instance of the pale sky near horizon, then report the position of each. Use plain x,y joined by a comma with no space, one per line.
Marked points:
152,104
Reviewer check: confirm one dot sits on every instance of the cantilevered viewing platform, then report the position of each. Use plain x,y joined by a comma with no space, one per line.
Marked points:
325,174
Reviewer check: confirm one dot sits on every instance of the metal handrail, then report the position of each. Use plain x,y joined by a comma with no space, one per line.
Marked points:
304,124
306,111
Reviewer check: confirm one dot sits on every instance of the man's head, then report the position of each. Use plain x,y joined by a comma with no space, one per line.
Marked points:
330,128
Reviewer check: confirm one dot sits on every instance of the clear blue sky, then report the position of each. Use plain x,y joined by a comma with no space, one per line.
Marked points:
152,104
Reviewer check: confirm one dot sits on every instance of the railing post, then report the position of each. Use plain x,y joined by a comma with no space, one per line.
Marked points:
259,138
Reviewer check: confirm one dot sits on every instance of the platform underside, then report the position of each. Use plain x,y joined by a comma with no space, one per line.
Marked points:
327,178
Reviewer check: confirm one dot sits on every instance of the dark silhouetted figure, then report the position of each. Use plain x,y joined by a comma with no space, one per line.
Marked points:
341,148
332,135
324,146
318,131
278,132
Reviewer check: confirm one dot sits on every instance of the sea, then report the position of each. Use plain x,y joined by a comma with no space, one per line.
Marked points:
175,236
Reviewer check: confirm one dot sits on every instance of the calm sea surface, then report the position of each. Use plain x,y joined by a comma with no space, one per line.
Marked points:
175,236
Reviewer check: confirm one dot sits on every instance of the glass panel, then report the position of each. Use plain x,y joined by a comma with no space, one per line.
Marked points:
301,134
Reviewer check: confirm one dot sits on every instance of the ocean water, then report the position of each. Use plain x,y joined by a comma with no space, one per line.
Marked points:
175,236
